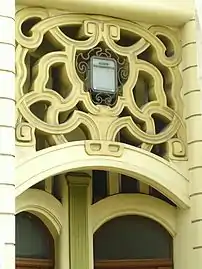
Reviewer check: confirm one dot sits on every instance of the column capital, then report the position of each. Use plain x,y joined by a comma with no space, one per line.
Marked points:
78,179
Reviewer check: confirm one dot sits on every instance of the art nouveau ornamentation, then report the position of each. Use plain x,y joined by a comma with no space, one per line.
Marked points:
121,68
52,57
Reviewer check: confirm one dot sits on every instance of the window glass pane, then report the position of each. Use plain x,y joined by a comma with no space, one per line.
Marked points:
103,75
129,185
132,237
33,239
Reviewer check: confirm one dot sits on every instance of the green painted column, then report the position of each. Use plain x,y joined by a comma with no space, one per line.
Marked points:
78,221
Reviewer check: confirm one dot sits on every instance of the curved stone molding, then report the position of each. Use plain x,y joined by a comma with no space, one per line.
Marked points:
43,205
134,162
168,12
52,61
133,204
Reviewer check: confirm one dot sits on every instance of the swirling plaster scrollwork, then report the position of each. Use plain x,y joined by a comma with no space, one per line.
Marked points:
51,95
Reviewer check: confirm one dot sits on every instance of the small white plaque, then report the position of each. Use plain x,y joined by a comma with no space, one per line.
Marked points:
103,75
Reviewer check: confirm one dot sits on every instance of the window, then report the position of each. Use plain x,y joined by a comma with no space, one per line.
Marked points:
34,243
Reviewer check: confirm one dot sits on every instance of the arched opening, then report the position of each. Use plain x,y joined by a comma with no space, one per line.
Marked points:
34,243
156,174
132,242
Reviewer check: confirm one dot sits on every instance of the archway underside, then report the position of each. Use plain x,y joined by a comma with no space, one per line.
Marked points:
128,160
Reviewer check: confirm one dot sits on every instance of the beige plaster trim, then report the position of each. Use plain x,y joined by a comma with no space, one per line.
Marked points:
43,205
113,183
168,12
135,204
134,162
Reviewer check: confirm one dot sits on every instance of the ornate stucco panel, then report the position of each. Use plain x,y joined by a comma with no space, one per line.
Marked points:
53,101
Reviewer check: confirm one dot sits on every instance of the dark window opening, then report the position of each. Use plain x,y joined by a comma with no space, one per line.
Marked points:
34,243
129,185
99,185
157,194
134,238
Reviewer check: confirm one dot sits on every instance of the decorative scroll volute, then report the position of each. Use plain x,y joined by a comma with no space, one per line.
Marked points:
51,80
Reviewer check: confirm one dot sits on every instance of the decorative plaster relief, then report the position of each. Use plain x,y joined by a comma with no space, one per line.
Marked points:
25,133
52,56
104,148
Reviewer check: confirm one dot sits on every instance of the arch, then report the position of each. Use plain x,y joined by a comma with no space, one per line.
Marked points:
43,205
133,162
133,204
153,11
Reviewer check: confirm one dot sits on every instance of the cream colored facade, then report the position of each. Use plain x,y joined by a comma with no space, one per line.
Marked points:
159,42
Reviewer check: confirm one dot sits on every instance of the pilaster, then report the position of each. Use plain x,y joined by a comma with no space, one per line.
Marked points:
78,221
182,243
193,115
63,248
7,133
113,183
